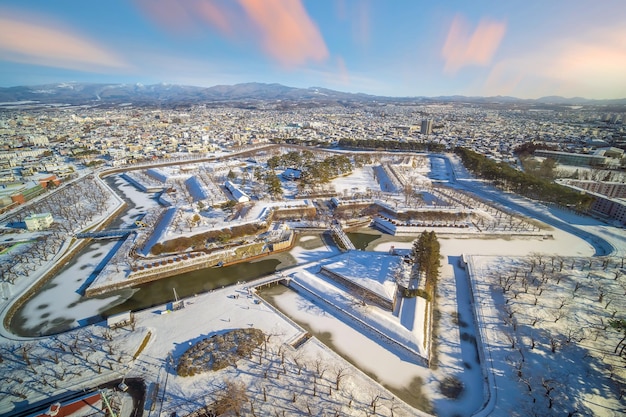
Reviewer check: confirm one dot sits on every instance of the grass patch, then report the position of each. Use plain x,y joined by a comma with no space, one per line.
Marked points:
143,345
13,246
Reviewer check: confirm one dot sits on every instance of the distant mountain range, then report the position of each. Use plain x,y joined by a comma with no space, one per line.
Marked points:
168,94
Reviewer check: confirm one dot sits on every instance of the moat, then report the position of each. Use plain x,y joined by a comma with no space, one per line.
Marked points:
47,311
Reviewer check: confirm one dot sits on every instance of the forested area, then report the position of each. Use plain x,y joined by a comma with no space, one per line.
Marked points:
313,171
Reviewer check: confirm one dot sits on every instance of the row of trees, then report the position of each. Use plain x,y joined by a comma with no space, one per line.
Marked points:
523,183
425,253
391,145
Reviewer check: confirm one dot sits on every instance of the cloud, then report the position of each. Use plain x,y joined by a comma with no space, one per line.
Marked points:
45,44
219,17
464,48
190,16
343,75
287,33
358,15
589,64
281,28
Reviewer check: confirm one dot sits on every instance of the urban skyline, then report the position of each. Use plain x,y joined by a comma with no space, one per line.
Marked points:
526,50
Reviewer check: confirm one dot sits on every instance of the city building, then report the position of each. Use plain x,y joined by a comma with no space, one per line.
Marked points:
577,159
427,127
612,209
611,189
291,174
38,221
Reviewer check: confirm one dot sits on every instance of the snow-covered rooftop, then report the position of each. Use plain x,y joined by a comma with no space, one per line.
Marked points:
368,270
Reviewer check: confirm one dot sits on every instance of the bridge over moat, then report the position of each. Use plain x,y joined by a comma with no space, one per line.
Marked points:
105,234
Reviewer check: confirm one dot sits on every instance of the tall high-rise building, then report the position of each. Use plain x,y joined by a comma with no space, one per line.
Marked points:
427,127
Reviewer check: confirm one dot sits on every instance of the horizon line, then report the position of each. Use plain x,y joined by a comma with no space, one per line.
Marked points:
56,83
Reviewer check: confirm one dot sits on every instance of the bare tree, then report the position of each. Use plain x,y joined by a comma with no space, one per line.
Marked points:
554,344
511,338
548,386
374,402
320,369
231,398
558,315
601,293
341,373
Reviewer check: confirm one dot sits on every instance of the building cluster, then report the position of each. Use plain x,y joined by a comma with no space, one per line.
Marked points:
42,147
609,197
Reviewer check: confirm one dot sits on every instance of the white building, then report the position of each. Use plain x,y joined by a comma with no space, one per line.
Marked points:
38,221
238,195
39,140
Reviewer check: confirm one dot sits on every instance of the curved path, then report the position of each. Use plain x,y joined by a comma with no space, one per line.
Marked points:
601,246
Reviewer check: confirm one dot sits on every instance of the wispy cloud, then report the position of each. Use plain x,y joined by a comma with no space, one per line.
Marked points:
343,76
219,17
588,64
282,29
287,32
465,48
358,15
190,16
362,25
25,40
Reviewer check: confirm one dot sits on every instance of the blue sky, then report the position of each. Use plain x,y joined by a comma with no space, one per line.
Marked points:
527,49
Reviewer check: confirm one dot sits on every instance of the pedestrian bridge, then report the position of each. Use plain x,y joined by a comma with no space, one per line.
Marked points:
342,237
105,234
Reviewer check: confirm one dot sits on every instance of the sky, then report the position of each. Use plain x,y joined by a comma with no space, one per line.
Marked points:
521,48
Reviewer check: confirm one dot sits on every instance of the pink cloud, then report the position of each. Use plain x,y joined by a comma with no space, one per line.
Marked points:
464,48
287,33
216,16
281,28
173,14
587,64
190,15
55,46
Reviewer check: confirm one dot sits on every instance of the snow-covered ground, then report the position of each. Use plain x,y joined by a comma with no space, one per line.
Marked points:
61,302
360,180
473,352
546,334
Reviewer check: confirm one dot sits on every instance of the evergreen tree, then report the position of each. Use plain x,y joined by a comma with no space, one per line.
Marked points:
425,253
273,184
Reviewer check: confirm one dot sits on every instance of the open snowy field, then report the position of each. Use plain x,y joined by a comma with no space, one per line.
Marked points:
360,180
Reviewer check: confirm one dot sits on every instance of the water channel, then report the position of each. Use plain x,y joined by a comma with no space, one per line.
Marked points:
59,305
